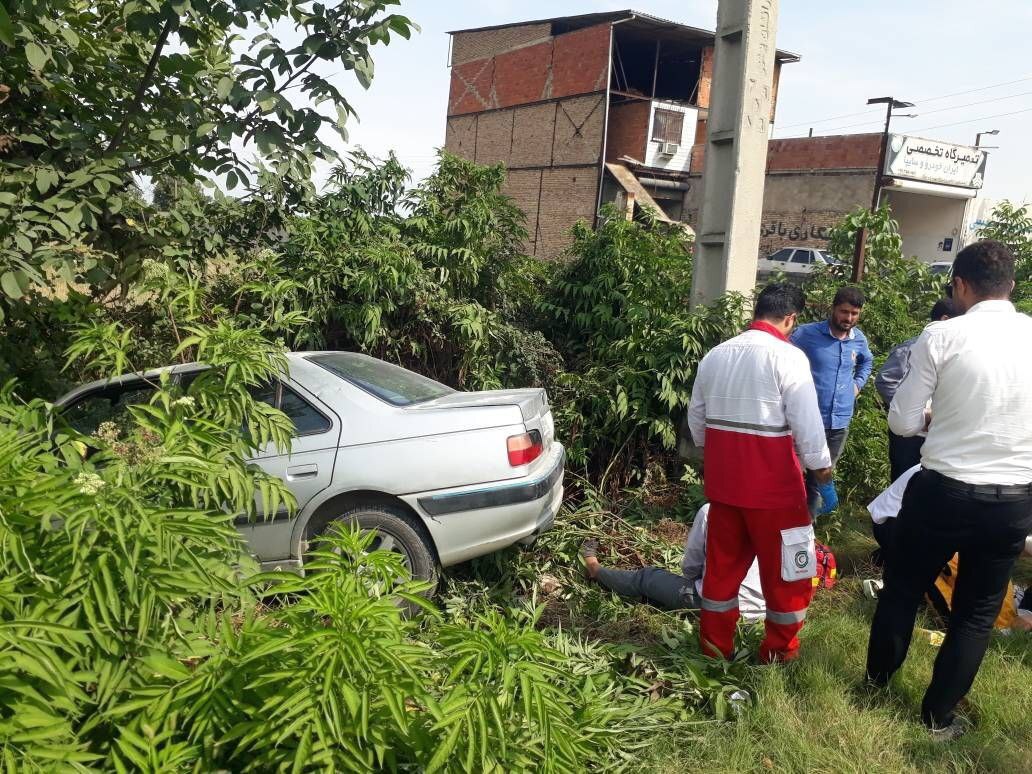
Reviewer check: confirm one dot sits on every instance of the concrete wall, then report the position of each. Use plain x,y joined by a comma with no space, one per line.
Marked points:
925,221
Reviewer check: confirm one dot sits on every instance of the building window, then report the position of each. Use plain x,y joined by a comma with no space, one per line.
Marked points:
668,125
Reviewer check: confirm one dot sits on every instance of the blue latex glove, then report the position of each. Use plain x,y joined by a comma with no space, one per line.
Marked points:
829,498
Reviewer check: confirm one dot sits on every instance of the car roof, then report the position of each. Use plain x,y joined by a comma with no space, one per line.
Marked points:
179,368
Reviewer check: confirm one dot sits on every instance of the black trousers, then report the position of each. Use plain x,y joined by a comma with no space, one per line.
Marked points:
935,522
904,453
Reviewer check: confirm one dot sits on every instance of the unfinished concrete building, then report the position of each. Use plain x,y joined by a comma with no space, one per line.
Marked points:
584,110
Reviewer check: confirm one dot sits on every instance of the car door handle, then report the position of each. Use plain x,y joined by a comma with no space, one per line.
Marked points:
297,472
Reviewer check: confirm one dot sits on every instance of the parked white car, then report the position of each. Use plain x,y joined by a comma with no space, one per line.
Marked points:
940,267
795,260
441,476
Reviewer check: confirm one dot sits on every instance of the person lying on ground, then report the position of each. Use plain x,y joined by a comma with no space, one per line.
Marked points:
670,591
884,510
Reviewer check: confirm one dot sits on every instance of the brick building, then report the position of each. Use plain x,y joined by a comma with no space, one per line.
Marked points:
556,100
612,107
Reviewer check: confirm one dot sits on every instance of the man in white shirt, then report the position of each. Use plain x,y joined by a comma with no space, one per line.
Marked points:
973,495
670,591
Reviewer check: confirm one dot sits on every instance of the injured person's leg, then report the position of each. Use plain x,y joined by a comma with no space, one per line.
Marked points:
654,585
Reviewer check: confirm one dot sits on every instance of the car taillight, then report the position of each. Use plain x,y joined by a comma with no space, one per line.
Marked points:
524,449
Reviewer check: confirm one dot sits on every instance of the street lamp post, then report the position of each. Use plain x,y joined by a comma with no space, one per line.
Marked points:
978,137
891,103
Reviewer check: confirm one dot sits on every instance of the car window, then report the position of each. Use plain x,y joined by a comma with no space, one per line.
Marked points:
398,386
307,419
305,416
109,404
802,256
781,255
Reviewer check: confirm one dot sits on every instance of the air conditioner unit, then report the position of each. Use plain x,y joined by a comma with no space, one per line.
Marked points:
668,148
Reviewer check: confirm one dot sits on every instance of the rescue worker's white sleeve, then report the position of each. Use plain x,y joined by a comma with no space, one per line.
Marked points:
799,398
694,560
697,406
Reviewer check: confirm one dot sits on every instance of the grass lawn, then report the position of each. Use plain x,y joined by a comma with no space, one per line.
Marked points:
807,716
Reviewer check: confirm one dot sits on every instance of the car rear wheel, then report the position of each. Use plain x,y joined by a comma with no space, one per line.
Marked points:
394,531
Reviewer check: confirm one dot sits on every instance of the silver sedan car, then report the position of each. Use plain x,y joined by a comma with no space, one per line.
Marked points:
441,476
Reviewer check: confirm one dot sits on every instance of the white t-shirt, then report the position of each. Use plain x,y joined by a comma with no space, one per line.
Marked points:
886,505
751,604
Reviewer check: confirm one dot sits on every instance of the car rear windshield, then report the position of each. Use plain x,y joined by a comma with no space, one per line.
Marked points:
391,383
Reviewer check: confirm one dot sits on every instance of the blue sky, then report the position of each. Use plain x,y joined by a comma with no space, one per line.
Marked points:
918,50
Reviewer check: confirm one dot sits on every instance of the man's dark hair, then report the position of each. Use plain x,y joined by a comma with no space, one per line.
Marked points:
849,295
987,266
944,307
778,300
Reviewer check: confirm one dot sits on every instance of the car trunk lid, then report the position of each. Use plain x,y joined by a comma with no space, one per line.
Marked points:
532,403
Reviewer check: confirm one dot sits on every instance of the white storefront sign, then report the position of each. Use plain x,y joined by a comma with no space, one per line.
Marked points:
931,161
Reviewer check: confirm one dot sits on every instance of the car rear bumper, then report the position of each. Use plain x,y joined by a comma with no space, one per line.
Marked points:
474,521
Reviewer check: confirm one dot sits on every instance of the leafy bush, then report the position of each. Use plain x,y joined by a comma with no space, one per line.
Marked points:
127,640
1013,226
619,313
115,553
98,92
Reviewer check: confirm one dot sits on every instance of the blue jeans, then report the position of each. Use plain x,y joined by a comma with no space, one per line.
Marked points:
836,443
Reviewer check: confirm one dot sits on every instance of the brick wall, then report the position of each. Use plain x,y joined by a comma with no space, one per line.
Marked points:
843,151
524,187
705,77
804,154
562,133
566,65
567,196
552,153
628,130
553,201
579,124
467,46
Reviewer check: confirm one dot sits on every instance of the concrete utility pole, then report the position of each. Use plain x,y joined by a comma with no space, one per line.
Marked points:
728,241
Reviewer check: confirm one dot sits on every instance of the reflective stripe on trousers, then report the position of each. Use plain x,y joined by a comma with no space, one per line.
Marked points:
718,606
797,616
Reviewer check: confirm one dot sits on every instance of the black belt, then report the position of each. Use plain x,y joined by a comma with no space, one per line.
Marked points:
981,490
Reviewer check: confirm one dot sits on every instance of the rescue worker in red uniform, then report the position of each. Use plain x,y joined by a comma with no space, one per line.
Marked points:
754,411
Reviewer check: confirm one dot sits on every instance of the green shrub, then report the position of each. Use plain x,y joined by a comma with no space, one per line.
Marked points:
619,313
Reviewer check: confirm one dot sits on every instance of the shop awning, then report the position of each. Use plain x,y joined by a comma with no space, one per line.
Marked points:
931,189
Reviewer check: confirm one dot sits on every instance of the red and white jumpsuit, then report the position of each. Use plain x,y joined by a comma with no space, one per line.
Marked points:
754,409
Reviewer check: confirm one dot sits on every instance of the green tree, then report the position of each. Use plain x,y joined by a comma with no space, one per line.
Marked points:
1012,225
97,94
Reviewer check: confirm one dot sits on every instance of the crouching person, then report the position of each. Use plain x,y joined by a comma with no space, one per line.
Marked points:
668,590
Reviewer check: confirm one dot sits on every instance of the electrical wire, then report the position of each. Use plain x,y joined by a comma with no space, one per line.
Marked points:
920,101
930,112
973,120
